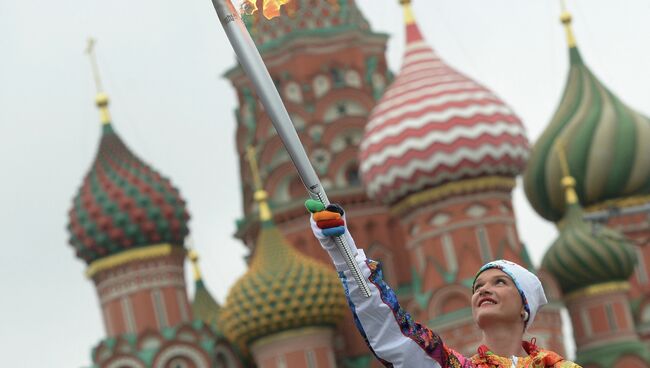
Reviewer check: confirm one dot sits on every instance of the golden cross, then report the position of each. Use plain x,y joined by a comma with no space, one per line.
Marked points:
90,50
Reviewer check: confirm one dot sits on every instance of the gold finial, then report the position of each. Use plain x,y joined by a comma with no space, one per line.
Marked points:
101,99
409,18
566,19
194,258
260,194
568,182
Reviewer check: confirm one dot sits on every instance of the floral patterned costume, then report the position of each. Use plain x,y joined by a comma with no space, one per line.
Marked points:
393,337
397,341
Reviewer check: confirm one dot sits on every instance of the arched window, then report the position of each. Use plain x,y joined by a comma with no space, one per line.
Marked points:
179,363
344,108
220,361
449,299
352,176
224,358
347,138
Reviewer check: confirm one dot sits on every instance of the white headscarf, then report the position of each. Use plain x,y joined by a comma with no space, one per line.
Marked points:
529,286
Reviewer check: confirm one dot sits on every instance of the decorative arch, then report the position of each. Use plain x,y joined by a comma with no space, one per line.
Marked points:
180,353
352,125
124,361
187,333
150,340
123,346
343,94
344,108
225,358
448,299
340,139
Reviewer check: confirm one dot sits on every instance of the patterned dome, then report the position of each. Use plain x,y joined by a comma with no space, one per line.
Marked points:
608,148
435,125
582,256
304,17
123,203
282,290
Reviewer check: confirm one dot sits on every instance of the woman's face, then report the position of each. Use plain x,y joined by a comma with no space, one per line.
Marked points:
496,299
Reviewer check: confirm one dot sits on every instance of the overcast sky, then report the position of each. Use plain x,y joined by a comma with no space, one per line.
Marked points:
161,64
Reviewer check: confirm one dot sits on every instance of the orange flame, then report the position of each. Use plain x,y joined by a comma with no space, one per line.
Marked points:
271,8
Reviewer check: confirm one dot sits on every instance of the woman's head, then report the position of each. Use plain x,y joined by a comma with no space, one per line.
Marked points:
504,292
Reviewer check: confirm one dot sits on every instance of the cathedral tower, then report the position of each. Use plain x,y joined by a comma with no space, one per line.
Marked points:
330,69
128,223
609,157
592,267
443,152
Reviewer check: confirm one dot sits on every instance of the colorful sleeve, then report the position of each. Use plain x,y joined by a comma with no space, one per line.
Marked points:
393,337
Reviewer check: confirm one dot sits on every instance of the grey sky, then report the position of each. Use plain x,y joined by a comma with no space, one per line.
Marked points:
161,64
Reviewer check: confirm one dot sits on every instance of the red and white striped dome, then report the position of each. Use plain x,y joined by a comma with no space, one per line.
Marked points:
435,125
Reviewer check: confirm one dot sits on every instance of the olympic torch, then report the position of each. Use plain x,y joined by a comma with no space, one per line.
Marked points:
251,60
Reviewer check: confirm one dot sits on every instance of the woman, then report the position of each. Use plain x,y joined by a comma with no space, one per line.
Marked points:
505,300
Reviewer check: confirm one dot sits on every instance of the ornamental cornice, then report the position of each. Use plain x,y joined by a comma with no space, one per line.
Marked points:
417,242
132,255
626,202
452,189
598,289
141,280
369,43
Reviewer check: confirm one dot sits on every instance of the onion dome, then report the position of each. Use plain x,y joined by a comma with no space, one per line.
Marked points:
583,255
204,307
301,18
607,144
435,125
123,203
283,288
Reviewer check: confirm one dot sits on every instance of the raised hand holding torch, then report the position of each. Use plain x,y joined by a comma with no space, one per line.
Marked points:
252,63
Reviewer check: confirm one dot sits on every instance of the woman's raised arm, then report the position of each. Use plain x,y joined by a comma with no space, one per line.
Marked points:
393,337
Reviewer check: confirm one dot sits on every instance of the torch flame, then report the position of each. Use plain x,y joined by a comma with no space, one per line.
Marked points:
271,8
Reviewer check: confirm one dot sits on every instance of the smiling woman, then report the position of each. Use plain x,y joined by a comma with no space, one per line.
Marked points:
505,299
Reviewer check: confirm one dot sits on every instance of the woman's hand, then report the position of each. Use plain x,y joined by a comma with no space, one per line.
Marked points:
327,223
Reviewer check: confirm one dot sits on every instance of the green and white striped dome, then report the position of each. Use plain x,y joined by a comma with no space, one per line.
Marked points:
583,256
606,142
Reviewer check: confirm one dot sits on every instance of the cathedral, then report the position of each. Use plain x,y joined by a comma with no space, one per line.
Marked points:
424,160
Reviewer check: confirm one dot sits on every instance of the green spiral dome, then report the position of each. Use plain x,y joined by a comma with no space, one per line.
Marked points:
583,255
607,147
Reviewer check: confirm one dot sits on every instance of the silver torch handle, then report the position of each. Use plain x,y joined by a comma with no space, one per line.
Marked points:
251,60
